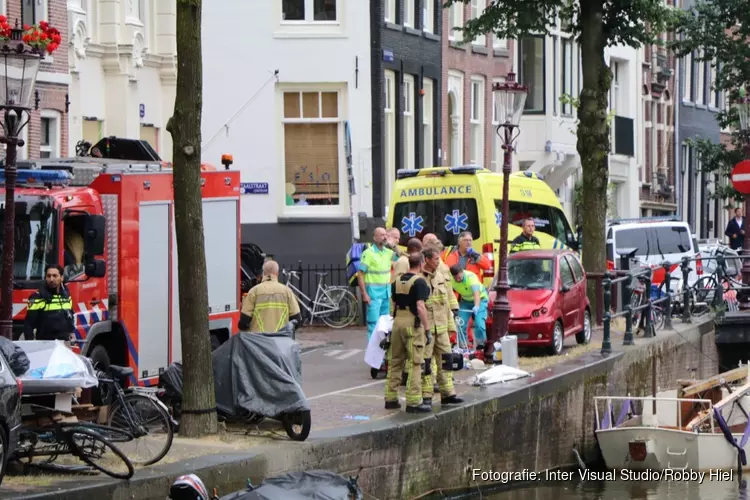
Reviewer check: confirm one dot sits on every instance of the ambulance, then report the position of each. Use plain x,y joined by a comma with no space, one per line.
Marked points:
449,200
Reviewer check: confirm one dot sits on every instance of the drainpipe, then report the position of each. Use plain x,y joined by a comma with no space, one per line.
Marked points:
678,175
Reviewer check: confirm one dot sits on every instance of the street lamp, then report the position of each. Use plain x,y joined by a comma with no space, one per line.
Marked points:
19,64
742,105
510,98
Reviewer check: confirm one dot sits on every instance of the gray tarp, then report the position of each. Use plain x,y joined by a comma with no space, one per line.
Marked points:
253,373
317,485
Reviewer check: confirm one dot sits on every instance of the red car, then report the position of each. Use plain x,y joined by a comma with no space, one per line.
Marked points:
548,300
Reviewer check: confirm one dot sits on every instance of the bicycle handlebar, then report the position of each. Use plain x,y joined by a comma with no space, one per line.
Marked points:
290,273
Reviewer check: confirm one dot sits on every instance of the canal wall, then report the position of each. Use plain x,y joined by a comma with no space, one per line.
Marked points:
527,424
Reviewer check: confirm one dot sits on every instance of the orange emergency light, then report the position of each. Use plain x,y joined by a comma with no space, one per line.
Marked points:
226,160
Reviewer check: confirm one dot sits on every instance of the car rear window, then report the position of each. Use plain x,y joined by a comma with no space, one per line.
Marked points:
654,240
446,218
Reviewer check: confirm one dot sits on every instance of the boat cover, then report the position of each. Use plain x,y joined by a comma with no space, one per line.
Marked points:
317,484
253,373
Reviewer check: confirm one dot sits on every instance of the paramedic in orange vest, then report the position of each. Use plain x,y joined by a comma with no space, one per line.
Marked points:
374,278
468,258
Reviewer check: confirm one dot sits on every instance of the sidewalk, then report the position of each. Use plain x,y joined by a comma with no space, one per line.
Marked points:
341,394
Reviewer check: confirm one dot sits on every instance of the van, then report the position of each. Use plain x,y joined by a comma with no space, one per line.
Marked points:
652,241
449,200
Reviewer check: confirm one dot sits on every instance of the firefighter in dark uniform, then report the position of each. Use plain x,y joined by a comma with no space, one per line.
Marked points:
526,240
408,338
49,315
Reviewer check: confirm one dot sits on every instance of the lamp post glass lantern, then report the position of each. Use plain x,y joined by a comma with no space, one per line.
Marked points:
19,65
510,99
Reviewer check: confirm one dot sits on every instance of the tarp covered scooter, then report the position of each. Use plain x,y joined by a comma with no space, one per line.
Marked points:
302,485
257,376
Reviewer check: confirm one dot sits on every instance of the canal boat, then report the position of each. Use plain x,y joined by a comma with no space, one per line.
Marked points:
704,425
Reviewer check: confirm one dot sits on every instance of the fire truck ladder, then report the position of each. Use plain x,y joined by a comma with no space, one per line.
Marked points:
84,171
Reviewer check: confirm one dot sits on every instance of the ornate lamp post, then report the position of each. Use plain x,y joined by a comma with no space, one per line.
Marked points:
742,105
510,98
19,64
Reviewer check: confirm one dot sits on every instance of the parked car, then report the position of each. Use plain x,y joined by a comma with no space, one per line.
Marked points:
714,247
548,300
10,413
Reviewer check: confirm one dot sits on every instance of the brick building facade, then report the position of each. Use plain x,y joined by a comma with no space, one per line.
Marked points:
469,72
46,134
657,170
406,84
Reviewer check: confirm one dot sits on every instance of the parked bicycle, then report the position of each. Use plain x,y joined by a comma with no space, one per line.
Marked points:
336,306
85,441
149,426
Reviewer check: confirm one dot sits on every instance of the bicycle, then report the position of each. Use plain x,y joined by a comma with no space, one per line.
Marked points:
84,441
638,298
140,413
336,306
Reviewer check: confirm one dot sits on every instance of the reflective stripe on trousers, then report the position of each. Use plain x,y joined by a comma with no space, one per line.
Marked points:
407,350
441,344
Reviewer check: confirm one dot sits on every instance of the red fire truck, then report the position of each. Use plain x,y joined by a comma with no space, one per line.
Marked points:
110,224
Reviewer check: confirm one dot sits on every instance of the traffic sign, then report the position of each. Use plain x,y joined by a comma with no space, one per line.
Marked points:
741,177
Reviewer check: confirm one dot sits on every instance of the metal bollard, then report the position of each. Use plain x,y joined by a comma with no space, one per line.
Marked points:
647,311
606,341
627,307
668,293
685,267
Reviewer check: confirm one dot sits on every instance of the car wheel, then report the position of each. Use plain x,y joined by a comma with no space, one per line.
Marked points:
557,339
3,452
584,336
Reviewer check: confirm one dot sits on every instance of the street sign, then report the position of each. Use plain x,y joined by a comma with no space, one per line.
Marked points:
253,187
142,110
741,177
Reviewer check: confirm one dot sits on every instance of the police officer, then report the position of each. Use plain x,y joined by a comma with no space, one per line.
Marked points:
375,278
474,301
441,319
526,240
408,338
50,309
269,305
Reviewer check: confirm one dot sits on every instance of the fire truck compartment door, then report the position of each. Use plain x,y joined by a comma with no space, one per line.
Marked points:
154,289
220,236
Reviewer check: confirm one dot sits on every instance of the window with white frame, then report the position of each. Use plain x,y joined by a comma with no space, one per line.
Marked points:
715,94
499,43
312,121
34,11
700,88
136,9
531,73
408,13
389,143
409,147
687,89
428,125
309,10
428,16
477,7
49,134
476,150
496,161
567,75
390,11
614,92
456,21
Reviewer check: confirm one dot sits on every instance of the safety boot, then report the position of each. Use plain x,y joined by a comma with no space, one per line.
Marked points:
427,401
419,409
451,400
392,405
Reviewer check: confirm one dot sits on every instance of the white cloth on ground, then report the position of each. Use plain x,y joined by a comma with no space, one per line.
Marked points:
374,355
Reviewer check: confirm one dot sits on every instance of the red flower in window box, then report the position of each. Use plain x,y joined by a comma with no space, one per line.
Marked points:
42,36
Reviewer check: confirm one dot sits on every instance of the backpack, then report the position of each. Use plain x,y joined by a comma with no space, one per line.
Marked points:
353,256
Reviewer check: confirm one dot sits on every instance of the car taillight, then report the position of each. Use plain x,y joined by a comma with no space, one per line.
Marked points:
488,249
698,265
610,265
20,386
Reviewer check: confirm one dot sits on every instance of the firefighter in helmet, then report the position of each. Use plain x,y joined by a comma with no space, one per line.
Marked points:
268,306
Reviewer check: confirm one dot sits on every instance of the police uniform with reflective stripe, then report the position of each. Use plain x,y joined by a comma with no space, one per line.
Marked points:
521,243
50,314
407,339
441,320
267,307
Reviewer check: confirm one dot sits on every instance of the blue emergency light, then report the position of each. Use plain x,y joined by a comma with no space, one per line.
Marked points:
34,177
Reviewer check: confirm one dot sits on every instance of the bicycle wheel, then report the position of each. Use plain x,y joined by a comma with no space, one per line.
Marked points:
96,451
150,425
108,432
346,308
635,301
657,317
705,288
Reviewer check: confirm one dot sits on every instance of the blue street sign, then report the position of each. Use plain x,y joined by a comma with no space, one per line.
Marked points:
142,110
387,55
253,188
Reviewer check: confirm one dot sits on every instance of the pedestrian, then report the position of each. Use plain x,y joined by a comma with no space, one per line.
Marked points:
473,300
269,305
394,236
736,230
409,337
375,278
440,316
466,257
402,264
49,315
526,240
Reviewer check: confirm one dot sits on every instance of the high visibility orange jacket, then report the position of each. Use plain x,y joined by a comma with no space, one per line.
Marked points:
476,266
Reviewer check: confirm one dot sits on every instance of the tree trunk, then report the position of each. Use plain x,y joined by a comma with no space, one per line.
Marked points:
199,397
594,140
